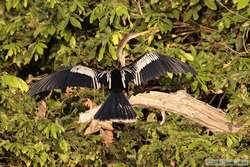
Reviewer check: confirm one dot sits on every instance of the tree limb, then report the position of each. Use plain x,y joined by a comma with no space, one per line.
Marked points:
180,103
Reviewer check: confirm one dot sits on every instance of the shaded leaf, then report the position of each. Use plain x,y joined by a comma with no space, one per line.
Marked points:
211,4
239,43
75,22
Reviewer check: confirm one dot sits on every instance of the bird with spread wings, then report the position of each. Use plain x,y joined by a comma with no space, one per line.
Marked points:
116,107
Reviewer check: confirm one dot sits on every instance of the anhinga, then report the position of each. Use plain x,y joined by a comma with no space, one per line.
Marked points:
117,106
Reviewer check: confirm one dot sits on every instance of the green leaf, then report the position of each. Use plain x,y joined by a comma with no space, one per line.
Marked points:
229,141
204,87
62,25
52,3
112,16
221,26
75,22
8,4
43,157
25,3
46,131
97,13
14,83
112,51
238,43
10,53
189,56
72,7
194,85
72,42
242,4
39,49
122,10
115,38
78,3
150,39
101,52
211,4
187,15
195,15
103,23
170,75
193,2
192,162
51,30
193,50
64,157
53,131
227,22
54,104
64,145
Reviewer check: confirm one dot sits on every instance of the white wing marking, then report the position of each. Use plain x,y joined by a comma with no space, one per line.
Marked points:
109,79
123,78
86,71
142,63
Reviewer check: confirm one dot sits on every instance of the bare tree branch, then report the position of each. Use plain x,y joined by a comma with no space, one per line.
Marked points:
179,103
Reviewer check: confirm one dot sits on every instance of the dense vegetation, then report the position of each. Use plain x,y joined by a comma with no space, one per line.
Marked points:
38,37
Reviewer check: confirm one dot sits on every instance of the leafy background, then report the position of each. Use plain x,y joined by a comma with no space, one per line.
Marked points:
38,37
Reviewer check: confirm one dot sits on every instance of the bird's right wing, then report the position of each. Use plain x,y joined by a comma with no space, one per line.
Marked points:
73,76
153,64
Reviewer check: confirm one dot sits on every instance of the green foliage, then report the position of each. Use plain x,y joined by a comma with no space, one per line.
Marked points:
41,36
13,83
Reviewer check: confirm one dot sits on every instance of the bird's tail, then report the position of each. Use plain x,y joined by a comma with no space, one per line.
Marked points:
116,108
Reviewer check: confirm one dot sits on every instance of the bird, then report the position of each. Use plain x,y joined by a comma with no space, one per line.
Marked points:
116,108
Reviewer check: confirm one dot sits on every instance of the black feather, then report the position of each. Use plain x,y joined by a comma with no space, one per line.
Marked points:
60,80
152,65
116,108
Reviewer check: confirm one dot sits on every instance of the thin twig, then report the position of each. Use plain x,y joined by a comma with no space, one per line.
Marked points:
233,12
246,30
220,101
139,6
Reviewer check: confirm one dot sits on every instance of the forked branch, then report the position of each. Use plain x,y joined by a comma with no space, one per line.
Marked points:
180,103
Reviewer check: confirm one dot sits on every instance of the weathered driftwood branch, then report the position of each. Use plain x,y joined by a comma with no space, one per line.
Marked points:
179,103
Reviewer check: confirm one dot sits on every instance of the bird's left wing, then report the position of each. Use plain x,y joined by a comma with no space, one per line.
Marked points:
72,76
153,64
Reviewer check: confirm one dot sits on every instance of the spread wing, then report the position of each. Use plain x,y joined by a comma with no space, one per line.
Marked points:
73,76
153,64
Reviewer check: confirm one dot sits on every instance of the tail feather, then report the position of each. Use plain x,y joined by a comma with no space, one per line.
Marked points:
116,108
